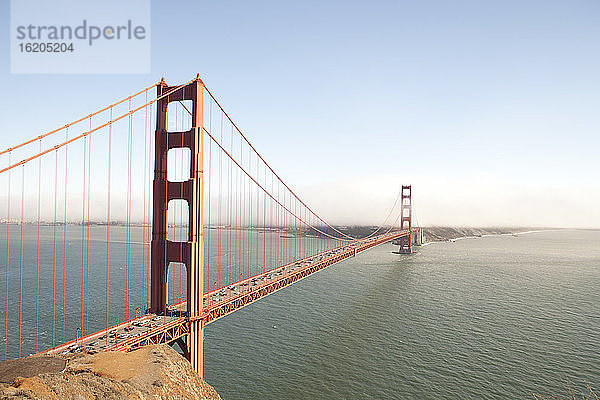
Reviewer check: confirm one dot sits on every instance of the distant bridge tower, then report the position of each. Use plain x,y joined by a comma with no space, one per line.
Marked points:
406,242
190,252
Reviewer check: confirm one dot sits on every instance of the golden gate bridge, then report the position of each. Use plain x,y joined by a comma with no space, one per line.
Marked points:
149,219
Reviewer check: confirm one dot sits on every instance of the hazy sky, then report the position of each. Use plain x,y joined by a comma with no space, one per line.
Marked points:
489,109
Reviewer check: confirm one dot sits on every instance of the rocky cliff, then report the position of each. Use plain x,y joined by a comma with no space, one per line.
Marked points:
152,372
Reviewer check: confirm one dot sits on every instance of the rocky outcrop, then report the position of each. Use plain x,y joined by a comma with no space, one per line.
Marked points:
151,372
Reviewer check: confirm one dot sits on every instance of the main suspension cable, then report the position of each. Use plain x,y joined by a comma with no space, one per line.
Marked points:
75,122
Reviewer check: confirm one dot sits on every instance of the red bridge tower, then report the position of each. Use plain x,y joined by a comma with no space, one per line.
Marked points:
406,242
190,252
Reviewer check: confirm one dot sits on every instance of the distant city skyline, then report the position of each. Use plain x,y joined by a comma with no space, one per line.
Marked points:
490,110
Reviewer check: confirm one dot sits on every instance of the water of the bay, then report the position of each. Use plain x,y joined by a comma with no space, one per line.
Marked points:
498,317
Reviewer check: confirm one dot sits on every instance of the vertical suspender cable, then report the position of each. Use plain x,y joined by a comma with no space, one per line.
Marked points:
128,240
37,284
7,262
21,260
295,230
83,228
149,230
176,206
271,222
181,171
208,248
235,234
107,293
265,224
229,220
249,217
64,309
241,219
87,272
257,217
54,249
144,203
220,215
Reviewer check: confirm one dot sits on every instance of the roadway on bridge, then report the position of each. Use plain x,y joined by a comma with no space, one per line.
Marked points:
117,337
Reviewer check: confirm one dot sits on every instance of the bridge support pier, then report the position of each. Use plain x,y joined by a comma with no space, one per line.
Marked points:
417,237
183,346
190,252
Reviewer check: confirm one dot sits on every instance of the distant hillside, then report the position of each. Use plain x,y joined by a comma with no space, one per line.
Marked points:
445,233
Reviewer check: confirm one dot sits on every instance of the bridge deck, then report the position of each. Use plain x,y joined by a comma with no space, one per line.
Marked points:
154,329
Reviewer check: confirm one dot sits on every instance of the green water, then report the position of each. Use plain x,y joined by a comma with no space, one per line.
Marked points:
498,317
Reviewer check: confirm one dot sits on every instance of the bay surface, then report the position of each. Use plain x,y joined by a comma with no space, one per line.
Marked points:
488,318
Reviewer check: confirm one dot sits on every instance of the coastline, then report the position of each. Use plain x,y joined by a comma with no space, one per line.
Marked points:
436,234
